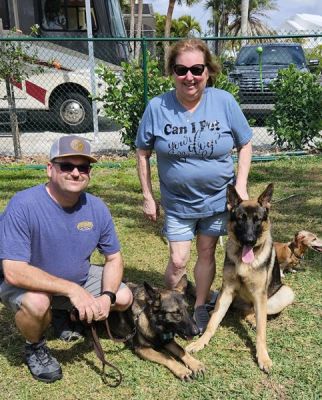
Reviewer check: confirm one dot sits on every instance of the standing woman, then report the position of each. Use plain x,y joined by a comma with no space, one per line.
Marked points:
193,130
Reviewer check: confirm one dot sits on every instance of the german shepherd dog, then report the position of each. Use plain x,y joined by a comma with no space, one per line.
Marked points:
156,317
250,276
290,254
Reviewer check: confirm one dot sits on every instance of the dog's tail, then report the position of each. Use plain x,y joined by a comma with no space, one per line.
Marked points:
281,299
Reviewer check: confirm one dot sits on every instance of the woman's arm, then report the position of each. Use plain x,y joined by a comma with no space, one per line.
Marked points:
150,207
243,167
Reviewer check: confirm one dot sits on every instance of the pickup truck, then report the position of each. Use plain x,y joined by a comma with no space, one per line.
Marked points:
256,96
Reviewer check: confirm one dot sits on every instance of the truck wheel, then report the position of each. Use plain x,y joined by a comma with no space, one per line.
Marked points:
74,112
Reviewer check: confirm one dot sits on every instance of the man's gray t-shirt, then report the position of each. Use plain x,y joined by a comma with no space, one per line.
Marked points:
194,150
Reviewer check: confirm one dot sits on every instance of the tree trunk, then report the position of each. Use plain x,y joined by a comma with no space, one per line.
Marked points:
167,28
13,119
224,20
244,19
132,25
216,32
139,29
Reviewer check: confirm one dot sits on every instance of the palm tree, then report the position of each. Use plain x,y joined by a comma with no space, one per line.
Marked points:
138,29
185,26
168,20
215,6
244,17
170,13
220,10
257,8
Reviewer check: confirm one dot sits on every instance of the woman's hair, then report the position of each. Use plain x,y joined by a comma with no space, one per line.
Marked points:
191,45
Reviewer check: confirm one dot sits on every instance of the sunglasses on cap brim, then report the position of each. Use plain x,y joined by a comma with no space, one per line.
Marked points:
182,70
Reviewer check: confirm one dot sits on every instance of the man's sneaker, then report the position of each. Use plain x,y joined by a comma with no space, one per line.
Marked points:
64,328
201,317
42,365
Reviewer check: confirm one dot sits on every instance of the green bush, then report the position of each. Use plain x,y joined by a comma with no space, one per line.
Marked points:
222,82
296,119
123,101
315,54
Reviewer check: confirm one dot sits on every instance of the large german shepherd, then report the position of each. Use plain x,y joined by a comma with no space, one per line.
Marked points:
155,318
251,276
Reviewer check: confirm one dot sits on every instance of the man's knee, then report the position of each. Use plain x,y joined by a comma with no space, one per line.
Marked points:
124,299
36,304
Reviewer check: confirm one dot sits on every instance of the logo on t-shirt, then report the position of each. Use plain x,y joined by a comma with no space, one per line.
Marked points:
85,226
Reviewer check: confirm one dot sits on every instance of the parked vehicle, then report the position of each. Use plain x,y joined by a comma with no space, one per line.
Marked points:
64,87
254,81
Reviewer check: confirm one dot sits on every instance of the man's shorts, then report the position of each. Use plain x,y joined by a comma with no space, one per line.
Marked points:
11,296
181,229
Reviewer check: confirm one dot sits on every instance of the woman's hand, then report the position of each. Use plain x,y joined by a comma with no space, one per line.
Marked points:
151,209
242,191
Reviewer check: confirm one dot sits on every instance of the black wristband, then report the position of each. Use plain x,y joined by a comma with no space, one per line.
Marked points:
111,295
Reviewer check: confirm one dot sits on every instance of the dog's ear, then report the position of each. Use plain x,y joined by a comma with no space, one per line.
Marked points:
298,238
182,285
265,198
152,294
233,198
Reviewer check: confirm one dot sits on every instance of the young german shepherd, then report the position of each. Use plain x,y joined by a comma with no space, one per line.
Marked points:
250,274
156,317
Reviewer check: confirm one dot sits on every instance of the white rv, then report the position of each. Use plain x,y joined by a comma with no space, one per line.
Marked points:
64,87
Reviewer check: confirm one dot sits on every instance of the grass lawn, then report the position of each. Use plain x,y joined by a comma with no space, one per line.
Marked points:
294,337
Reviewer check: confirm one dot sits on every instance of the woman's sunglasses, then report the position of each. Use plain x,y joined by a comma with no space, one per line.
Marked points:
182,70
69,167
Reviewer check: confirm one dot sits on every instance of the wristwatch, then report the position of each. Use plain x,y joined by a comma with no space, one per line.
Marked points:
111,295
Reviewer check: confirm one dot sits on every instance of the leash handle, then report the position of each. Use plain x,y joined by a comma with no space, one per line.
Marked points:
100,355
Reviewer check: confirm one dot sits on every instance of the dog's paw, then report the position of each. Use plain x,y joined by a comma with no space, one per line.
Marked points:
251,320
197,367
265,364
196,346
183,373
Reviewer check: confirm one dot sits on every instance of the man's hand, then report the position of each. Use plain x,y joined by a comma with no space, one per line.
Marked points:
104,306
89,308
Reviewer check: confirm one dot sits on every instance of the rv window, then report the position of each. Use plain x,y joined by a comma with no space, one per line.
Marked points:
66,15
4,14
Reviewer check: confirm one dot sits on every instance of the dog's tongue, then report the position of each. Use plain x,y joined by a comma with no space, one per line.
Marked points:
248,255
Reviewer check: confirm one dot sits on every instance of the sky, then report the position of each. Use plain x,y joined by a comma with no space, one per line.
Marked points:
286,9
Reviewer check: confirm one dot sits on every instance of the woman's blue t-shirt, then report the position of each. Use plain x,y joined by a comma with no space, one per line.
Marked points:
194,150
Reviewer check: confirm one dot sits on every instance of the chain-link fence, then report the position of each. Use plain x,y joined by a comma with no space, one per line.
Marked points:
56,99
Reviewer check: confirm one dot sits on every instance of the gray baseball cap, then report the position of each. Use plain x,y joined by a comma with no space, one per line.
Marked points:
71,145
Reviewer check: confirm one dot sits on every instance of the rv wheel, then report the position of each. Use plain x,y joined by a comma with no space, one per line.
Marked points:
74,112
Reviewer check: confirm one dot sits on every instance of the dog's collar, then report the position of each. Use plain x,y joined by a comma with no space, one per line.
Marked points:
167,337
292,248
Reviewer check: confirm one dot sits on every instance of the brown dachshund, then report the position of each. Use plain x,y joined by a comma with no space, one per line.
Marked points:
290,254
